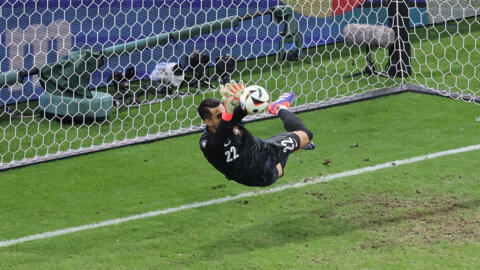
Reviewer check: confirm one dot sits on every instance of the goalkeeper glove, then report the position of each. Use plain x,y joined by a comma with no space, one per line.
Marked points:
232,89
229,103
231,93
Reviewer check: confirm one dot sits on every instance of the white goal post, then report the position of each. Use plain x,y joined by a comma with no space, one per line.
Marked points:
83,76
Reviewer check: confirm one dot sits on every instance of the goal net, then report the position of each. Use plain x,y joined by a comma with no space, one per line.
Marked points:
82,76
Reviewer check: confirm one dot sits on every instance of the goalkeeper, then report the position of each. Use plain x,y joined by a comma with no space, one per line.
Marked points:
240,156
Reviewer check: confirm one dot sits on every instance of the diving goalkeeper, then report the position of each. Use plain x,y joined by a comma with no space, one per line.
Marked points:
239,155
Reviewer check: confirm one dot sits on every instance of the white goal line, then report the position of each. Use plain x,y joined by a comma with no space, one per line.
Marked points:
322,179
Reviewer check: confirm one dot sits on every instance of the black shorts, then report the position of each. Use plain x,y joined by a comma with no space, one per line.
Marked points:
261,169
276,150
281,146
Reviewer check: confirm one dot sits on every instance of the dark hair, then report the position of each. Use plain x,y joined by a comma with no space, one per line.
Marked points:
207,104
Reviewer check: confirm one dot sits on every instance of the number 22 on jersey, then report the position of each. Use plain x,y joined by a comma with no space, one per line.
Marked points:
231,154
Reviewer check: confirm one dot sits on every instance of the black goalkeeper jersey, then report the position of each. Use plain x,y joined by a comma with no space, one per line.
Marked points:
227,152
244,158
238,156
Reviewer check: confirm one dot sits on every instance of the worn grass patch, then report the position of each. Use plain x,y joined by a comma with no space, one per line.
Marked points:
418,220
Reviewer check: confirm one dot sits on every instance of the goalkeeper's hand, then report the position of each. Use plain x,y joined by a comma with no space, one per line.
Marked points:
229,103
230,93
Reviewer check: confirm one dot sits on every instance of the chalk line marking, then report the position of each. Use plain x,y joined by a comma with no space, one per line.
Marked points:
322,179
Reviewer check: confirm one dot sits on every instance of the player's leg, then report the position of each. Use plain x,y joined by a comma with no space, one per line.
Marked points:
291,122
305,139
281,165
279,170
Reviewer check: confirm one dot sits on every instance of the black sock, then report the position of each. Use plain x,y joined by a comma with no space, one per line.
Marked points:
291,122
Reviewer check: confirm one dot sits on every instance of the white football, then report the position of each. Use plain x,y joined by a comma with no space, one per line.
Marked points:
254,99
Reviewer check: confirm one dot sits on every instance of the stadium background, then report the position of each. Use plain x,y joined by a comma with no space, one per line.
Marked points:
74,25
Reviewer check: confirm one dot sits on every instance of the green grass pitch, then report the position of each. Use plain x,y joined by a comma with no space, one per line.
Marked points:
419,216
422,215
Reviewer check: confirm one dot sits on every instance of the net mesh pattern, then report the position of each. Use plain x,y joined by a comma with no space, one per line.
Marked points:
102,74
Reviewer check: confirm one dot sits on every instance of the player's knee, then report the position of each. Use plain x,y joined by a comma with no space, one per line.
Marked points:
304,137
308,133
